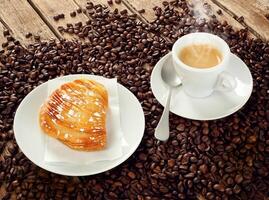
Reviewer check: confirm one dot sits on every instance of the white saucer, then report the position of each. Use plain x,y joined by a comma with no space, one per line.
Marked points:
31,140
217,105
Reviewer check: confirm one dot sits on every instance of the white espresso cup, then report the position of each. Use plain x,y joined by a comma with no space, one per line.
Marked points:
201,82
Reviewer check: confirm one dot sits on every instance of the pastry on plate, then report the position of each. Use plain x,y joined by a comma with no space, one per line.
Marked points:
75,114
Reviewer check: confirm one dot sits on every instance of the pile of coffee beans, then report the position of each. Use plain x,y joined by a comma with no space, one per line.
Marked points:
221,159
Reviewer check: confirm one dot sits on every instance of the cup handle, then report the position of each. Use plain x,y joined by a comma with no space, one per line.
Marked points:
226,82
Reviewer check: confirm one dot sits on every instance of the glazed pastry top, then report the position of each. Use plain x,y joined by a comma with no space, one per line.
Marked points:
75,114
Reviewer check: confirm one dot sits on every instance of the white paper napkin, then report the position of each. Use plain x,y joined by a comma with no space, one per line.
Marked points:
57,153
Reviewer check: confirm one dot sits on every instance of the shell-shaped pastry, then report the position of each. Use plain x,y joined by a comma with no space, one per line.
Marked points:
75,114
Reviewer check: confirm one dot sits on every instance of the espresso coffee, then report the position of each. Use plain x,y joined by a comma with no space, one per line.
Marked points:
200,56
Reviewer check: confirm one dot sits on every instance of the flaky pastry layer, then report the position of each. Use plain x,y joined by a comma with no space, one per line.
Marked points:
75,114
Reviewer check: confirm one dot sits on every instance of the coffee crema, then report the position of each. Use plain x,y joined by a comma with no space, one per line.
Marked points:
200,56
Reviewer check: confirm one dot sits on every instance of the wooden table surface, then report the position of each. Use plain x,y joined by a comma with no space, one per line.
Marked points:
36,16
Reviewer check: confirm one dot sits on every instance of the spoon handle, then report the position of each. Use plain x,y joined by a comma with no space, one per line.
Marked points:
162,129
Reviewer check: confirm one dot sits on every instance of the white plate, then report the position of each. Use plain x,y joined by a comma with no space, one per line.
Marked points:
217,105
32,142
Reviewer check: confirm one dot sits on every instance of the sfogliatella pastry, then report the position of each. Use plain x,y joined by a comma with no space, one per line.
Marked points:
75,114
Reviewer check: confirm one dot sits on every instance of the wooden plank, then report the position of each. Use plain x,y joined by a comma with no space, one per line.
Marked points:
2,38
200,8
260,5
136,5
112,7
220,14
21,18
253,18
50,8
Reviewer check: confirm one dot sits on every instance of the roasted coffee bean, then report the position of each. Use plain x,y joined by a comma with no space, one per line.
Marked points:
61,16
236,189
56,17
123,12
165,3
89,5
6,32
28,35
210,195
142,11
10,38
240,19
60,29
238,179
79,10
73,14
203,168
37,37
219,187
219,159
118,1
5,44
219,12
131,175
